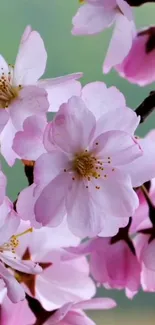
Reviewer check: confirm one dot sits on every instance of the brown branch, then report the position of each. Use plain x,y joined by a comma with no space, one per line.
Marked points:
146,107
136,3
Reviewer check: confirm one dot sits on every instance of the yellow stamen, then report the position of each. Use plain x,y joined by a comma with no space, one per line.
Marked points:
14,242
23,233
8,92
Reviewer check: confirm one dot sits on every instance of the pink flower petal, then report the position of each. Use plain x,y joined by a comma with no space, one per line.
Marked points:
51,82
28,69
119,146
100,99
148,256
16,314
137,66
6,138
70,132
14,290
3,183
4,117
112,225
75,317
61,89
125,9
116,188
50,206
59,314
31,137
142,169
120,43
25,205
85,217
32,100
124,119
48,166
11,223
48,137
92,19
58,288
16,263
96,304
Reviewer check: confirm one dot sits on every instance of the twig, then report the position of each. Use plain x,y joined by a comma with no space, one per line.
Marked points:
146,107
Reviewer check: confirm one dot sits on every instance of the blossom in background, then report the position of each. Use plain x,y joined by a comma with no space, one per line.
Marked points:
96,15
138,65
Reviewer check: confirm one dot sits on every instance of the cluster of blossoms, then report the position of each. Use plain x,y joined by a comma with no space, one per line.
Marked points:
91,180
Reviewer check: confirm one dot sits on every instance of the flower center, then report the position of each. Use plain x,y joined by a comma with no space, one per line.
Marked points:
13,242
86,165
7,91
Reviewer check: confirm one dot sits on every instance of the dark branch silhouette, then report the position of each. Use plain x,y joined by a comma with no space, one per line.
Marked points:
146,107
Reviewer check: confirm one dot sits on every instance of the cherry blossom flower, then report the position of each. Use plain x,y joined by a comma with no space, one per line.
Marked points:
60,281
106,104
84,168
71,313
96,15
138,65
22,95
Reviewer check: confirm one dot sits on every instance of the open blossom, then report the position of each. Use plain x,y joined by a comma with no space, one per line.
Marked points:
83,173
95,16
109,107
72,313
60,281
22,95
139,65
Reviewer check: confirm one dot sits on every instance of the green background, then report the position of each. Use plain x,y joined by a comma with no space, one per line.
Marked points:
68,54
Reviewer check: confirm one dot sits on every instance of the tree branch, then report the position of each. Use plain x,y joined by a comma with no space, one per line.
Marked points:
146,107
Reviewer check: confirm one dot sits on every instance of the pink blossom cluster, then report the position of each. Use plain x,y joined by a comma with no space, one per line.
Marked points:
91,180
